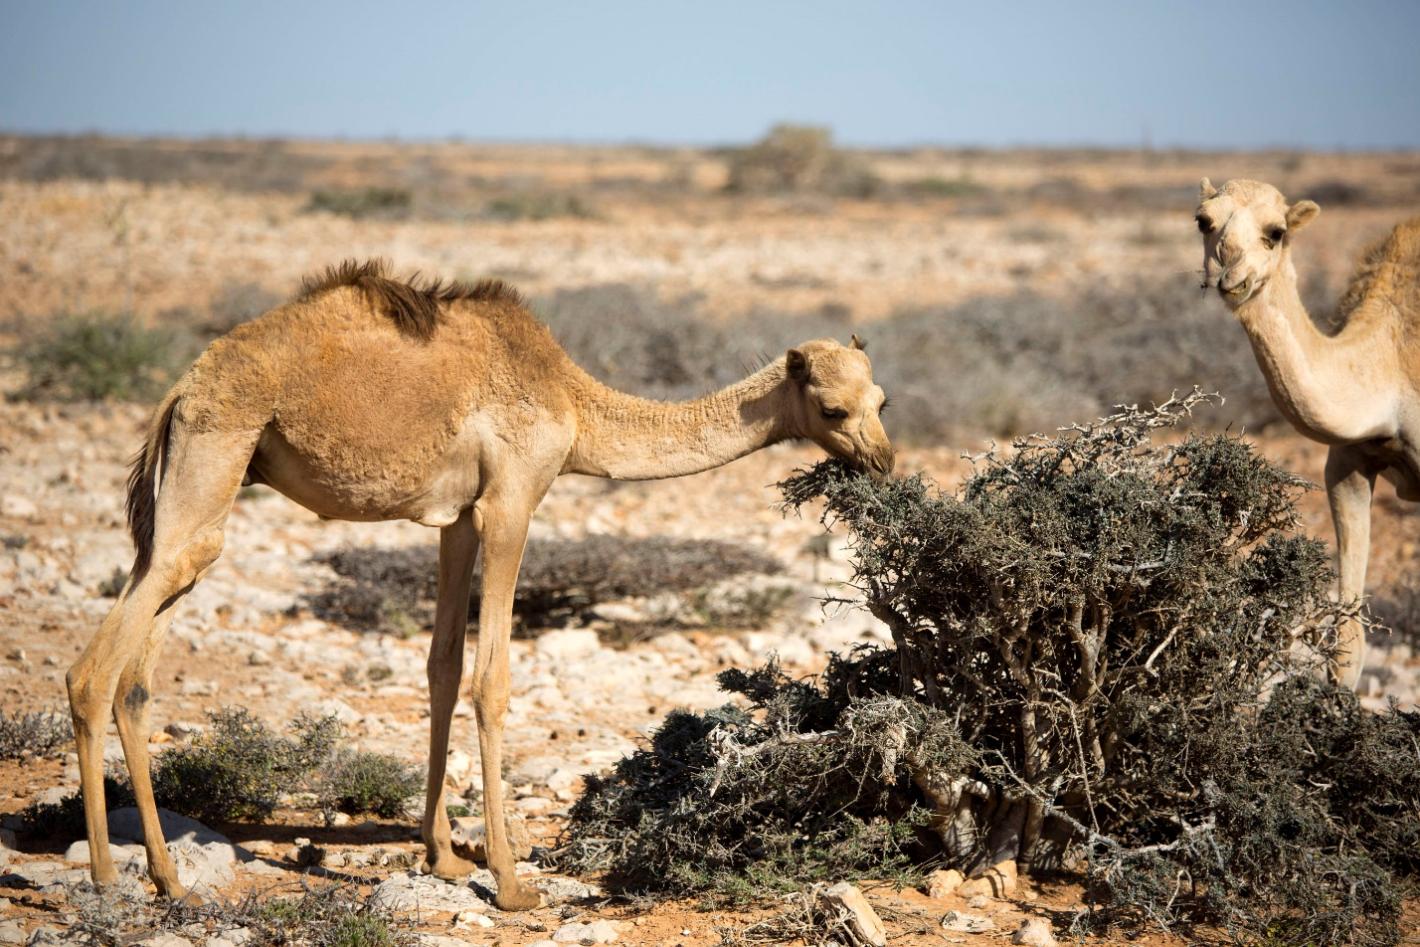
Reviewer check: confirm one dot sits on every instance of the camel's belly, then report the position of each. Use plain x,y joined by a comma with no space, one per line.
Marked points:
432,493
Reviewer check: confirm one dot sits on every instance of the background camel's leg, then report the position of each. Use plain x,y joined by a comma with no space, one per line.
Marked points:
458,545
1350,481
203,474
504,528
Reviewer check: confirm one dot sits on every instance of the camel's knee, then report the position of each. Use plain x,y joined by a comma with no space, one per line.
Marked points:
490,696
184,565
88,695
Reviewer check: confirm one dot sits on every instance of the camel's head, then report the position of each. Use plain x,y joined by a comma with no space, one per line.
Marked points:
836,405
1247,229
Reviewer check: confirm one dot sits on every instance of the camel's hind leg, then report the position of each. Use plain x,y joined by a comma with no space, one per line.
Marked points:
201,480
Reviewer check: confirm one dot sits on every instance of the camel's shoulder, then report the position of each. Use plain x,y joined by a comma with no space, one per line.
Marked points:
1389,275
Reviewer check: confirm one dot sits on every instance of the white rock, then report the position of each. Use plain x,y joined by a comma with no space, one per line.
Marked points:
471,919
339,709
862,920
1034,932
121,849
409,891
165,939
967,923
941,884
564,643
12,504
204,858
12,932
597,932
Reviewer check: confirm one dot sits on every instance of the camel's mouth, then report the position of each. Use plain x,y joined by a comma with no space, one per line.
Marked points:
1242,292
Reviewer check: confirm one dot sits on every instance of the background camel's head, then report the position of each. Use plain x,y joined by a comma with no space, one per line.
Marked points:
1247,228
836,405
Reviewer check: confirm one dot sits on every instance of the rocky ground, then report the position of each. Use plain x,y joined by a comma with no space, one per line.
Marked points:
247,635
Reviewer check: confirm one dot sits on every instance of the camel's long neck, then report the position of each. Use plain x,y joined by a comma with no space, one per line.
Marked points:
628,438
1332,388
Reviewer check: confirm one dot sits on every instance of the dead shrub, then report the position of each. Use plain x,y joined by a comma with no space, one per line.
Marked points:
799,159
34,735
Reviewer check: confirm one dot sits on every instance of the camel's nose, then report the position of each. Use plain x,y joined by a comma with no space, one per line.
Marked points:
878,460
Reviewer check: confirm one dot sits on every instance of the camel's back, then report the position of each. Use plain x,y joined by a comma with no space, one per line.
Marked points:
1388,277
362,394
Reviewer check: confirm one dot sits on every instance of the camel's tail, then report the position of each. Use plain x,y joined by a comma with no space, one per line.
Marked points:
143,480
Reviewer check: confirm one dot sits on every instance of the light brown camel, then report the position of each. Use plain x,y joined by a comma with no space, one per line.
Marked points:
1355,391
369,398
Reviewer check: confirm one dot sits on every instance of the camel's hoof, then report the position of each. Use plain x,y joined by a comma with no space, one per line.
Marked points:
517,897
177,894
450,867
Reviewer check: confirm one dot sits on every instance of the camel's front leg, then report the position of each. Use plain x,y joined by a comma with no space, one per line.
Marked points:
1350,481
503,524
458,545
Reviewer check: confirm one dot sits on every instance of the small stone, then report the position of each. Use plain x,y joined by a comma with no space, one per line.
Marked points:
597,932
980,901
181,730
165,939
1034,932
941,884
258,658
338,819
967,923
471,919
23,508
544,943
17,654
12,932
862,920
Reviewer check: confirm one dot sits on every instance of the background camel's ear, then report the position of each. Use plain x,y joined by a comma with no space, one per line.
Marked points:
859,344
1301,213
798,366
1206,190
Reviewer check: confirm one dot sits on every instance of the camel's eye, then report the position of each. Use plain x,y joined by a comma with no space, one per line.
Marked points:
834,414
1205,223
1273,237
887,403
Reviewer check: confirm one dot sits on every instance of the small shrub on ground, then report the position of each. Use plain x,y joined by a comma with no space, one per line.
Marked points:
386,203
94,357
31,735
1106,658
560,581
358,782
326,916
239,769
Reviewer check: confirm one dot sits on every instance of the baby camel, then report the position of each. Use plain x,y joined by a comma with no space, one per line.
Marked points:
369,398
1355,391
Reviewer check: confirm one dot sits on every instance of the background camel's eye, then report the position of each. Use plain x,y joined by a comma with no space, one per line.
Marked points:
834,414
1274,237
1205,223
887,403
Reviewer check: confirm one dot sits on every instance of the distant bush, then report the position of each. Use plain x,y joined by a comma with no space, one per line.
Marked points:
799,158
537,205
95,357
560,581
64,819
33,735
357,782
388,203
943,187
1106,661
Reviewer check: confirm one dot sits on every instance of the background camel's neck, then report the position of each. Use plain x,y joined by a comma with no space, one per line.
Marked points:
628,438
1330,387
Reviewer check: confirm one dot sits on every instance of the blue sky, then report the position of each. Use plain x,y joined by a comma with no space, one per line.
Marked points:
1200,74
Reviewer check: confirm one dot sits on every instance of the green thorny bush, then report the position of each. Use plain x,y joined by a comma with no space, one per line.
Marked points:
1107,660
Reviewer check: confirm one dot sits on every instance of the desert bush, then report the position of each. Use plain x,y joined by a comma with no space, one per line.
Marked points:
29,735
386,203
97,356
561,580
537,205
334,915
799,158
237,769
1105,652
357,782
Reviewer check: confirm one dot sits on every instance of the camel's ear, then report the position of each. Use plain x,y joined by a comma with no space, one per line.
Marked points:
798,366
1206,190
859,344
1301,213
